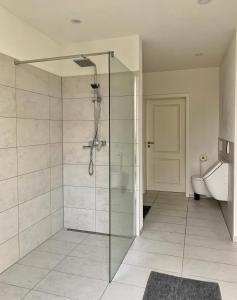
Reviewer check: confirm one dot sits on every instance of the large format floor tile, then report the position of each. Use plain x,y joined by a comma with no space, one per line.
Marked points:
163,236
11,292
215,271
70,236
151,260
39,259
118,291
35,295
23,276
57,246
146,245
134,275
72,286
84,267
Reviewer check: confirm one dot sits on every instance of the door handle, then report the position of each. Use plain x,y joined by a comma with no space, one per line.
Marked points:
149,144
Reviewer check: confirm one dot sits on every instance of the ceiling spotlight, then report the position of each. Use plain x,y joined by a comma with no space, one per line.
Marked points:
76,21
204,1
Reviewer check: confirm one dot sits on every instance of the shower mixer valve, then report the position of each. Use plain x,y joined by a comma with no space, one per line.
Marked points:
97,144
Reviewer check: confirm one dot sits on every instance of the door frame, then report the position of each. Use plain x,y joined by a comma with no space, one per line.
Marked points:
187,150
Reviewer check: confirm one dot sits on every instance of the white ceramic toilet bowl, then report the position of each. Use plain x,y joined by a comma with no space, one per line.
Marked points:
199,186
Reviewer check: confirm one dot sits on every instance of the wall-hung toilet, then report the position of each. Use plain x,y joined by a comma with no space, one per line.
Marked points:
213,183
216,179
199,187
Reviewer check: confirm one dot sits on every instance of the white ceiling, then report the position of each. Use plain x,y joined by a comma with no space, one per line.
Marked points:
172,30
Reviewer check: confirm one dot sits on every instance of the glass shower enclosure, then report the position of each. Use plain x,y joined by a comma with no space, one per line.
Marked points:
121,163
98,153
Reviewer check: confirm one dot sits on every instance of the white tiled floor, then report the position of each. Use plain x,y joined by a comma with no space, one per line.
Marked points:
181,237
70,265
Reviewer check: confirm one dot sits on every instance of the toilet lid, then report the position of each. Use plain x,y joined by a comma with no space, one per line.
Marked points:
212,169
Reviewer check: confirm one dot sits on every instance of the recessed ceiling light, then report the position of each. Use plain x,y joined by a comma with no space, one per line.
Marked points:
76,21
204,1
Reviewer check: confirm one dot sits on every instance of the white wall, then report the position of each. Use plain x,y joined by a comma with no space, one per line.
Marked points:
228,123
202,86
23,42
127,50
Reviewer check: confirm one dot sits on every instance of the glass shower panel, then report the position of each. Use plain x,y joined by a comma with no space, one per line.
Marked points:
121,132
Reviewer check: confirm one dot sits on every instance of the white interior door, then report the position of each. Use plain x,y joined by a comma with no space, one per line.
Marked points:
166,145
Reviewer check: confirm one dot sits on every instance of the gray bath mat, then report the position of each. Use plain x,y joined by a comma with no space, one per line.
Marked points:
167,287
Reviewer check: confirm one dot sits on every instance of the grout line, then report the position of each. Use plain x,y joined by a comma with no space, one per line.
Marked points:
184,239
17,173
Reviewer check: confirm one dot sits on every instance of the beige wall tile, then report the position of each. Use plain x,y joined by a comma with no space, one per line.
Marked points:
102,221
32,211
33,184
56,199
121,131
8,224
102,156
7,101
102,199
7,132
77,175
56,154
8,163
78,131
32,105
56,133
34,236
57,221
56,177
81,219
8,193
32,132
77,86
102,176
7,67
32,79
56,109
79,197
9,253
78,109
122,108
33,158
74,153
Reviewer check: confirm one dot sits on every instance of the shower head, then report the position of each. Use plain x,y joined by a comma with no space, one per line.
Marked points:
84,62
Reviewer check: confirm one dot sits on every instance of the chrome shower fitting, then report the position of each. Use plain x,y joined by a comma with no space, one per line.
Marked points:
96,142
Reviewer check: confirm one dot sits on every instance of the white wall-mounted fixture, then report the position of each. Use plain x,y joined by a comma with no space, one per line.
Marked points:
216,179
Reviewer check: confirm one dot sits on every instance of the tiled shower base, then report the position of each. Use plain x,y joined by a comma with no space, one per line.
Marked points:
70,265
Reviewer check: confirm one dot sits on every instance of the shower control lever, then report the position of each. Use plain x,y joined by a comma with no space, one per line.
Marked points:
98,144
87,146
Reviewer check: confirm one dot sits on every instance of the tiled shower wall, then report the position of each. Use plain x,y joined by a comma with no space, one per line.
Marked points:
86,198
31,196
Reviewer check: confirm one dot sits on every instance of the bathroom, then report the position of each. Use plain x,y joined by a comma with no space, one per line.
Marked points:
78,111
